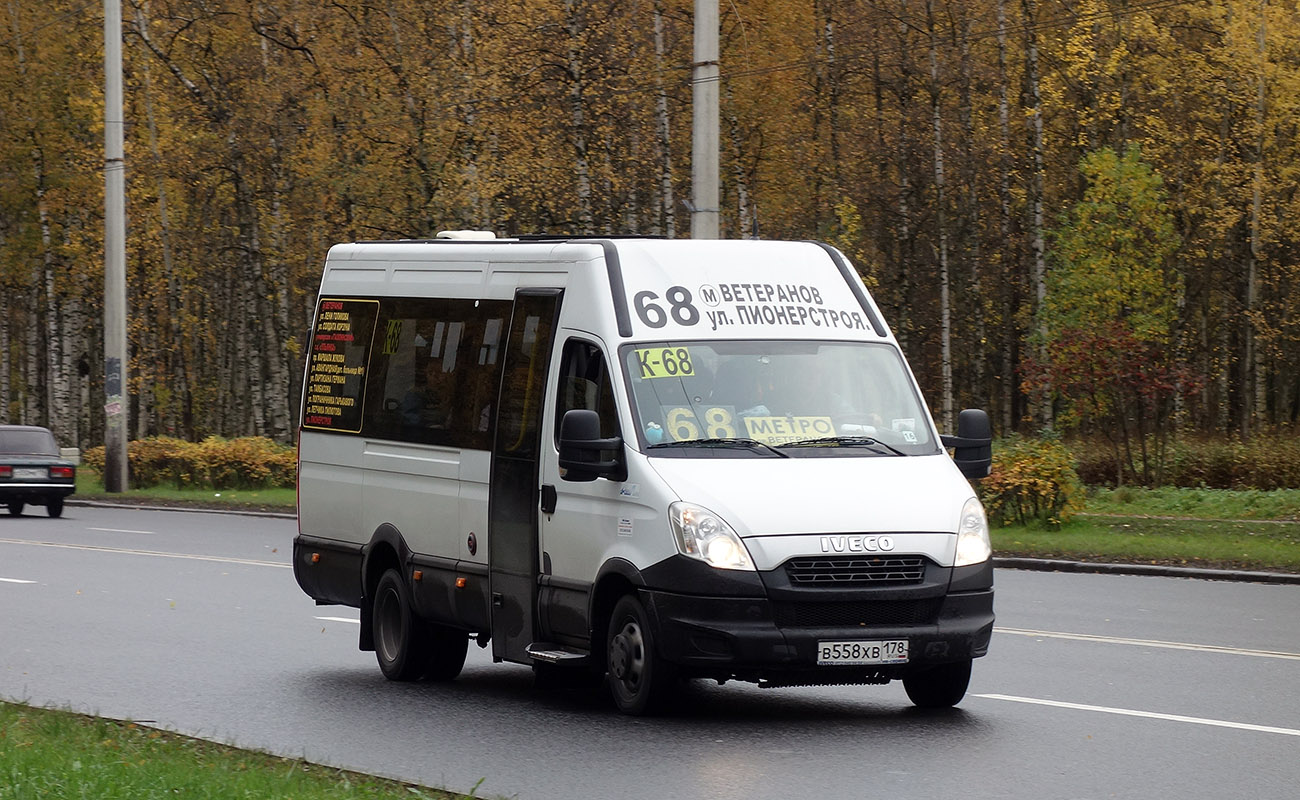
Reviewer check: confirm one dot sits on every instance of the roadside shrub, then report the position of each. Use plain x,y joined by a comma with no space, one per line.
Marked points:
1031,479
1269,460
246,463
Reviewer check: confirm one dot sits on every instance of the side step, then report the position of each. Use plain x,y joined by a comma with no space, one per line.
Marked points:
549,653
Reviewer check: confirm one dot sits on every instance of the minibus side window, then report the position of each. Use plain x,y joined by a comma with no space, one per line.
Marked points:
435,371
584,383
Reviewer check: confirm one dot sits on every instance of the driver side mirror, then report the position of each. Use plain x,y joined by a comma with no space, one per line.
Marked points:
581,448
973,444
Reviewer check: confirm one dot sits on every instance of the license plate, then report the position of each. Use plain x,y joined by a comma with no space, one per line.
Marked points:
31,473
889,651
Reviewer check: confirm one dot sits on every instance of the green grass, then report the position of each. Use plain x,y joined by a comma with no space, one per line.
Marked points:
91,487
1215,528
1213,543
1199,503
57,754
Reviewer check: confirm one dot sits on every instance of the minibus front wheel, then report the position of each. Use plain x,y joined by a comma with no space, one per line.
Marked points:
940,686
639,679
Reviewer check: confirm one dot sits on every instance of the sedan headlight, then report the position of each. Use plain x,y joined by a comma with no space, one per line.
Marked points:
973,545
699,533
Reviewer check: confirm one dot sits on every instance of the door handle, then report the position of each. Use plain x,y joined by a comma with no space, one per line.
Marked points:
549,498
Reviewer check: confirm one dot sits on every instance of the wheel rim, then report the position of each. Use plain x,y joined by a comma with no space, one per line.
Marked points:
388,624
627,658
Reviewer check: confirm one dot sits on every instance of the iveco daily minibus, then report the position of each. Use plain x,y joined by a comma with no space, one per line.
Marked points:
635,460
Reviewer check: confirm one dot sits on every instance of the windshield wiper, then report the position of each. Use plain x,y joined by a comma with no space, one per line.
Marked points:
748,444
845,441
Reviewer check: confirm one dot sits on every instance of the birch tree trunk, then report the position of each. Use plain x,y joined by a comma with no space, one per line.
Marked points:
667,217
746,221
1033,97
1007,258
1254,395
577,119
941,222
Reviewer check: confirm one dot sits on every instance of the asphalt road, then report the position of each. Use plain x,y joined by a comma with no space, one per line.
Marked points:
1096,686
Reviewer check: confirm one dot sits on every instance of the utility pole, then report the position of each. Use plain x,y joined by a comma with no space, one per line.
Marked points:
115,361
704,123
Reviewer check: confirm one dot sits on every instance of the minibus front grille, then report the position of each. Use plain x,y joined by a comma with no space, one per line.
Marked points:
856,570
857,613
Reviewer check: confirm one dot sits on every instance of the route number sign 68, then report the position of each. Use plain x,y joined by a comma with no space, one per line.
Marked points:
682,424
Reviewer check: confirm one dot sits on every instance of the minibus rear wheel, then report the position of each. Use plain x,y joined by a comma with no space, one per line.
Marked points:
401,645
639,679
940,686
446,649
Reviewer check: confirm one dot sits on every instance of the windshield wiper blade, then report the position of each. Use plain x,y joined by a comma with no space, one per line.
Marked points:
748,444
845,441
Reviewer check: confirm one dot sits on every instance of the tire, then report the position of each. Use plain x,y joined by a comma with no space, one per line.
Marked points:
54,507
941,686
445,652
638,679
401,646
16,509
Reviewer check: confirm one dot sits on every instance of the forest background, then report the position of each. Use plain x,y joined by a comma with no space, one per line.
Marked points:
1072,213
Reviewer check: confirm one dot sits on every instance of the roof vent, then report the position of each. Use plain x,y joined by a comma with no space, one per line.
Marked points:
466,235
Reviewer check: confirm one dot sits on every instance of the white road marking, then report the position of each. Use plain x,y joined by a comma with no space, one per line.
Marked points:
1203,648
121,530
14,580
155,553
339,619
1128,712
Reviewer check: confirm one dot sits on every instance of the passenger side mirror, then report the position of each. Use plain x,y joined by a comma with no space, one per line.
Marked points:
973,444
581,448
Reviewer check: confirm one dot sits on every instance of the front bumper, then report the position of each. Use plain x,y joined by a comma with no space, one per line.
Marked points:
775,640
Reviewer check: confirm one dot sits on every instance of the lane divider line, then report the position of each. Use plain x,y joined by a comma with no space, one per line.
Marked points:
155,553
122,530
339,619
1204,648
1128,712
14,580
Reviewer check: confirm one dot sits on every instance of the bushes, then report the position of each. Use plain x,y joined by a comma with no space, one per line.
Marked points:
1031,479
247,463
1268,461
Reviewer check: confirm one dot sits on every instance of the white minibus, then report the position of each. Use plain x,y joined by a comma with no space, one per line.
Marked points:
639,461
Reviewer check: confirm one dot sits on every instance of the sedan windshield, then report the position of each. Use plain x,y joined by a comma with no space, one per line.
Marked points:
802,399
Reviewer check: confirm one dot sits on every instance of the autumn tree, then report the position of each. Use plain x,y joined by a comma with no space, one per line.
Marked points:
1109,314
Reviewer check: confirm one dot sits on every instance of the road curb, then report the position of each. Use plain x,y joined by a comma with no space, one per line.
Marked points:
1028,564
1155,570
241,512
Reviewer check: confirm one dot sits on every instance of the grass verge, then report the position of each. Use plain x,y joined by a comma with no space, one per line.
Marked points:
1215,544
1280,504
47,753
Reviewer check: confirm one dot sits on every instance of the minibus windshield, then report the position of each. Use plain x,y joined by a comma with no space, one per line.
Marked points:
792,398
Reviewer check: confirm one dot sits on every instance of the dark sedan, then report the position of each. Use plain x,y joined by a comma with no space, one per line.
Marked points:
31,470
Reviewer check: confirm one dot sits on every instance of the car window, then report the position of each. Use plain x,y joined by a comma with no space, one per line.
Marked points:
28,442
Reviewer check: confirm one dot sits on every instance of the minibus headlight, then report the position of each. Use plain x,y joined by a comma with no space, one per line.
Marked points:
973,545
699,533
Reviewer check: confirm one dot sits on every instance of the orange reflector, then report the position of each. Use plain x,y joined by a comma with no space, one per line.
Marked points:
418,575
315,558
461,583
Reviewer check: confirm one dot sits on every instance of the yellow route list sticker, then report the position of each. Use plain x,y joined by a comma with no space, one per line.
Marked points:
336,369
664,362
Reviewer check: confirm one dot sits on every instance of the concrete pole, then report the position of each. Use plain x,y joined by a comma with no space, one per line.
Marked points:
115,361
704,123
